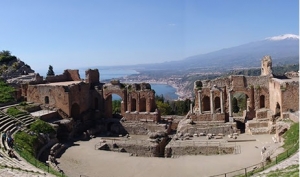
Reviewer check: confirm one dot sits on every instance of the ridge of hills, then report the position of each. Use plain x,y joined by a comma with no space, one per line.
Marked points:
283,49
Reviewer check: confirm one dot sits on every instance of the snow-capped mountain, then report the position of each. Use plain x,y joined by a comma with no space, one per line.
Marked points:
283,49
283,37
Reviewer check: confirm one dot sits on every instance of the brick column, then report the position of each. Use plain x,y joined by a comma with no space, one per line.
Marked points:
211,102
221,100
230,103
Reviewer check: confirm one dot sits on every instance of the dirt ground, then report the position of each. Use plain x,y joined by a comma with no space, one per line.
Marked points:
83,159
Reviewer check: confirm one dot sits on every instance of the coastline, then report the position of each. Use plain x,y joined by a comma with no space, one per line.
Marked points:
180,91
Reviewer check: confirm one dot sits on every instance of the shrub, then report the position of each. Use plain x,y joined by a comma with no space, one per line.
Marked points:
40,126
6,93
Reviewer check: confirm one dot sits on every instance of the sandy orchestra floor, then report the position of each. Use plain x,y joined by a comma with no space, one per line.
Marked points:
83,159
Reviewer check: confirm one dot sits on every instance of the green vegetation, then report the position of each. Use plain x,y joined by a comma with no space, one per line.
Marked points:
172,107
239,103
116,106
6,93
40,126
235,107
15,112
5,56
291,137
26,144
50,71
291,171
291,146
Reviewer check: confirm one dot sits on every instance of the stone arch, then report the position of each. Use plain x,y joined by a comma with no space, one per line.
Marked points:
75,111
46,100
262,101
142,105
206,103
242,99
217,103
108,103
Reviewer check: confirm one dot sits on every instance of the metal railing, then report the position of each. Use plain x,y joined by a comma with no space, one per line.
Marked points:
256,168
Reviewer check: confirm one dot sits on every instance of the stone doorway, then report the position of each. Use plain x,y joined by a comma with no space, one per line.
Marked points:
75,111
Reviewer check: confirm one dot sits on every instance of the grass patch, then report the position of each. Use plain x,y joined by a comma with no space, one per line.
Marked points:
291,136
25,144
15,112
6,93
291,171
291,146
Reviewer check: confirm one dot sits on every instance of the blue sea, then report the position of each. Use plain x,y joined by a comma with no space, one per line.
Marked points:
105,74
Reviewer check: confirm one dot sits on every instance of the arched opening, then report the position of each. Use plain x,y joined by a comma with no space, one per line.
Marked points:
96,104
239,103
235,107
277,109
262,101
133,104
142,105
206,103
75,111
46,100
116,106
217,104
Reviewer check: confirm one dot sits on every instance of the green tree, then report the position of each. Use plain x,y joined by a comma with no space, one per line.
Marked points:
160,98
235,107
5,56
164,108
116,106
50,71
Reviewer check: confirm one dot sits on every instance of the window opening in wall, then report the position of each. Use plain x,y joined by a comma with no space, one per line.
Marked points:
262,101
206,103
46,100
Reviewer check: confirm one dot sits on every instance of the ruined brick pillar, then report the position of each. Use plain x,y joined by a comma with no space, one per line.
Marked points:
211,102
230,102
266,66
221,100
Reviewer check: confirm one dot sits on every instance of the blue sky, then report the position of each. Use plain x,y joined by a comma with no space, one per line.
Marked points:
72,34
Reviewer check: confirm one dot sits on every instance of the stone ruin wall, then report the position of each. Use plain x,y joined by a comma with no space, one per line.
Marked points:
143,128
225,129
92,76
208,117
142,148
57,96
147,117
79,94
68,75
180,150
253,86
147,95
261,81
290,96
62,97
275,97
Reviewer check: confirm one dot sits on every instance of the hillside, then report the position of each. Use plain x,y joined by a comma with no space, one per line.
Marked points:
11,66
283,49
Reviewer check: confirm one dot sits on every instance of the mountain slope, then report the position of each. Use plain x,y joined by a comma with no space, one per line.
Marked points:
283,49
